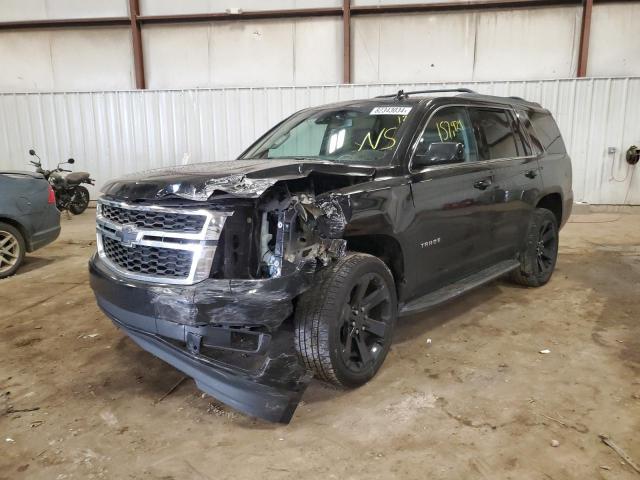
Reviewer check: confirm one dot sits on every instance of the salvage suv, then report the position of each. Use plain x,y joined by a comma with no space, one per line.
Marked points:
296,259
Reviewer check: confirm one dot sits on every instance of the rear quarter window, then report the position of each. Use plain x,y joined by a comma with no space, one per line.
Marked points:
547,132
536,145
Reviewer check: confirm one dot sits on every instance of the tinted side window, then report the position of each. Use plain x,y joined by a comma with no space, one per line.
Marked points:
494,133
524,149
449,125
536,144
548,132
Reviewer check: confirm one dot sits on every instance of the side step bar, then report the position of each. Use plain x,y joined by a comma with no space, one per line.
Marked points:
456,289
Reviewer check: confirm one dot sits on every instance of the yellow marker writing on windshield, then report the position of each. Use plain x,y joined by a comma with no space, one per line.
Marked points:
368,139
392,138
386,133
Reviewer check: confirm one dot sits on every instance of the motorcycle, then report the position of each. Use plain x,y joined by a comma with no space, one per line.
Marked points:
70,194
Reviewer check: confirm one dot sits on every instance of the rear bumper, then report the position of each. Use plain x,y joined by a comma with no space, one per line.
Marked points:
44,237
264,379
48,231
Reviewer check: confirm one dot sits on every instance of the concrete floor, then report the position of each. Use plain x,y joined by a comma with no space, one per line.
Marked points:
478,402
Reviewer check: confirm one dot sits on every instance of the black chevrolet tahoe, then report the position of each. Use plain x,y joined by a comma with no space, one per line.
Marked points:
295,260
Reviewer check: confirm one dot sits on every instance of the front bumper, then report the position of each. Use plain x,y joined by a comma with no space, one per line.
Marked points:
192,329
226,302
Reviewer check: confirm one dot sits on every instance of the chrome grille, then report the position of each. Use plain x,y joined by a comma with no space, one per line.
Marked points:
158,244
164,262
153,219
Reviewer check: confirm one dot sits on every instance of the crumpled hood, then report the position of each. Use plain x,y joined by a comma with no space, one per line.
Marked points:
242,178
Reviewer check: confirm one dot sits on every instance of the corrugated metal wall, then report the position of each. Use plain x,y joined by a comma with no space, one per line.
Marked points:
112,133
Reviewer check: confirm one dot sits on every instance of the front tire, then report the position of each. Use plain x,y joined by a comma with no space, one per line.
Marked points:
12,249
344,324
538,260
80,201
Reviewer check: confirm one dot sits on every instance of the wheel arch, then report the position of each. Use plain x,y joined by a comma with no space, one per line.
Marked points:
20,227
552,201
387,249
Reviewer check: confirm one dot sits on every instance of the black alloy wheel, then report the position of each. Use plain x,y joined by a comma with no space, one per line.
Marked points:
344,323
539,255
365,322
547,247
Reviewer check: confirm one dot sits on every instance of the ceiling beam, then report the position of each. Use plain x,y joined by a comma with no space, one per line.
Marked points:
467,5
66,22
453,5
241,15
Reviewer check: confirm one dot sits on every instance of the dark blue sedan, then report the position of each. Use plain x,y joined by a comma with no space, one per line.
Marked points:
29,218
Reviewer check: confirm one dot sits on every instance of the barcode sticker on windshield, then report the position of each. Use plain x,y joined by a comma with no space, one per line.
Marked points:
391,111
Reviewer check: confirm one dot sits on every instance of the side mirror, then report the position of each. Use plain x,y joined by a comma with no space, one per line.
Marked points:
439,153
71,161
32,152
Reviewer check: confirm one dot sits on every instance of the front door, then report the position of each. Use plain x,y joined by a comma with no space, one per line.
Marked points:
453,196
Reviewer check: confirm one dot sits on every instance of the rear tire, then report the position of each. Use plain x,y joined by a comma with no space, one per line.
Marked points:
80,201
12,249
344,323
538,260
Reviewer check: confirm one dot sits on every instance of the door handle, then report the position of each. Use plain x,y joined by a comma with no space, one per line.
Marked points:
531,174
483,184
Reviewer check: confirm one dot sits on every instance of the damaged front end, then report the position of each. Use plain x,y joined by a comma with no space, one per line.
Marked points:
209,286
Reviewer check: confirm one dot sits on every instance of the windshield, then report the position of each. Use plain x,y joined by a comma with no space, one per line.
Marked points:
355,135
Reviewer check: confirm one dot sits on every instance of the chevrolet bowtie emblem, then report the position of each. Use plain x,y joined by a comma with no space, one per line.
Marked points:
127,235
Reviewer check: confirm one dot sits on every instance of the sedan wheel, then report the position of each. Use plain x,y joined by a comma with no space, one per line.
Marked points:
11,250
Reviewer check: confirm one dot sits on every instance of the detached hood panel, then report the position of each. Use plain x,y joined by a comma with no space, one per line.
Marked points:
242,178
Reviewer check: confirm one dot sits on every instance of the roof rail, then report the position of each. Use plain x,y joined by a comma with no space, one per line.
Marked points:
402,94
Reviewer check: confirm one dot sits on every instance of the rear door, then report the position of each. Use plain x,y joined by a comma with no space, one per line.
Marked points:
453,204
502,143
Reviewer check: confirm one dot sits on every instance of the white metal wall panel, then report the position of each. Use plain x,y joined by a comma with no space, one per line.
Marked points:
113,133
19,10
481,45
614,46
471,45
66,59
175,56
243,52
168,7
272,52
525,44
26,61
426,46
